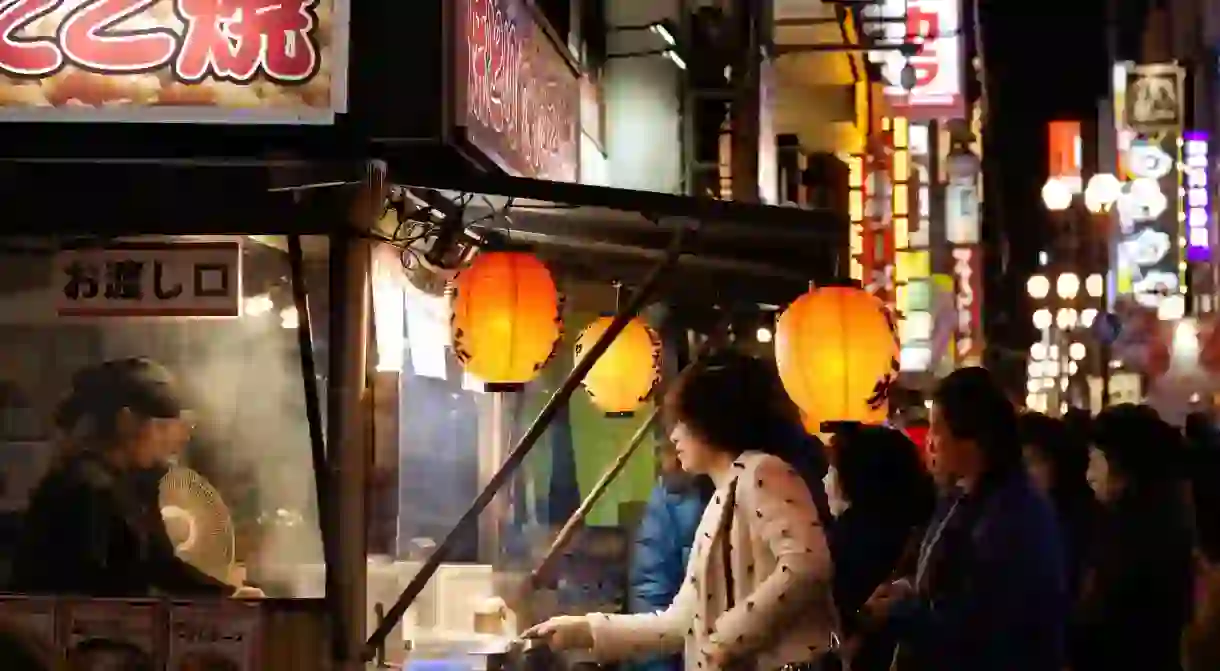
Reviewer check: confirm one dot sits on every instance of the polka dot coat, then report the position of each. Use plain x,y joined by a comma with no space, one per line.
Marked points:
783,610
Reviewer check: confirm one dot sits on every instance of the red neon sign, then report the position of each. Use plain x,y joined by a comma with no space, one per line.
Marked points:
522,97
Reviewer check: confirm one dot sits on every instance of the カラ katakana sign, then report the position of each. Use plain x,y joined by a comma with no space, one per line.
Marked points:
150,279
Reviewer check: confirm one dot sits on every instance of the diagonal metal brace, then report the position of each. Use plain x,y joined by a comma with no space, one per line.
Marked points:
515,458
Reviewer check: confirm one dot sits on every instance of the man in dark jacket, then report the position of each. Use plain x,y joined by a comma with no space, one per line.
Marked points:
988,592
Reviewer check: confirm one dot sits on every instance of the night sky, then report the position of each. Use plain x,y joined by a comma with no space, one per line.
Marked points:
1041,63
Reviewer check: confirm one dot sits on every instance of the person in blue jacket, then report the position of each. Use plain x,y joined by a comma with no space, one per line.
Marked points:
663,542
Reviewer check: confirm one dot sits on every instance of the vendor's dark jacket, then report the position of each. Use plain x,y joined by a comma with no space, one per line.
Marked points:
92,530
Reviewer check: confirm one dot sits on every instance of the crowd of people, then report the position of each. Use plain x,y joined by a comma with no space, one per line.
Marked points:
1016,541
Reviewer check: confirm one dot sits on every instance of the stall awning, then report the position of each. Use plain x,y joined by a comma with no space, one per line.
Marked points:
736,252
198,196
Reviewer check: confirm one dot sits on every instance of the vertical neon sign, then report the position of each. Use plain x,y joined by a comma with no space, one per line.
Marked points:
1197,197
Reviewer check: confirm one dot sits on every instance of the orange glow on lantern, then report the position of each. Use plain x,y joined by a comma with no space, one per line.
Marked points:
837,353
506,320
626,375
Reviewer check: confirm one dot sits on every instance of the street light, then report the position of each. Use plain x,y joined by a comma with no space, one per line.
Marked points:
1067,286
1042,319
1100,194
1102,191
1056,195
1038,287
1095,285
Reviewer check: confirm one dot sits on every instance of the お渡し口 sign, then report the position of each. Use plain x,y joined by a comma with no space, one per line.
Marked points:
184,280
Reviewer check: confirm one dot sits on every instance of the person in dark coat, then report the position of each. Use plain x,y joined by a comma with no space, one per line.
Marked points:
882,495
1202,638
93,527
663,542
1136,600
988,593
1057,459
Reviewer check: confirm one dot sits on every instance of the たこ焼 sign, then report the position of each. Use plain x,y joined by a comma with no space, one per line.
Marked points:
171,279
230,61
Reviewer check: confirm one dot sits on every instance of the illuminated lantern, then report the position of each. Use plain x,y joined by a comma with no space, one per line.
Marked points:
628,372
506,320
837,352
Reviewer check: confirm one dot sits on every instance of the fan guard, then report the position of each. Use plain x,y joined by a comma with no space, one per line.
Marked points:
198,522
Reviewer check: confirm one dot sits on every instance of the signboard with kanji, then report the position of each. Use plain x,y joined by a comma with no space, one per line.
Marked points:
150,279
221,635
220,61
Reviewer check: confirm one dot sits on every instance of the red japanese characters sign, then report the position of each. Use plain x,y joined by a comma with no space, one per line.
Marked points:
518,97
968,304
936,90
243,61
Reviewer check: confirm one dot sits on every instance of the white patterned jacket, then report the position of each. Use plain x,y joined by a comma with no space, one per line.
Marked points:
781,567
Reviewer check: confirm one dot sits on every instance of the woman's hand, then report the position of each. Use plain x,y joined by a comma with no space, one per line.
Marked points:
565,632
718,658
878,606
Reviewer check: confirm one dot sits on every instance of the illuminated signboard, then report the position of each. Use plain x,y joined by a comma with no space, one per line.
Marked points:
967,301
522,99
1149,225
855,210
936,24
1198,199
220,61
913,293
885,203
1150,233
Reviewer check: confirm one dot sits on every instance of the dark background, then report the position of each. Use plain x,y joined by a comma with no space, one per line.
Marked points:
1042,61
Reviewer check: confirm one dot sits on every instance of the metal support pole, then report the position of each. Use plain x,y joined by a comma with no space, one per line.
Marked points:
317,441
540,574
515,458
350,266
745,111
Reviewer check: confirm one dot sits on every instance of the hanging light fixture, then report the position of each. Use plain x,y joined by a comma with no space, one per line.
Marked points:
626,375
837,353
506,320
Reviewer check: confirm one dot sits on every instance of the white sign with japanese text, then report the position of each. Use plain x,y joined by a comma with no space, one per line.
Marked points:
150,279
936,26
220,635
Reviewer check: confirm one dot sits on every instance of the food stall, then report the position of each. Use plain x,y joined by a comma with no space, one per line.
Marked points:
262,197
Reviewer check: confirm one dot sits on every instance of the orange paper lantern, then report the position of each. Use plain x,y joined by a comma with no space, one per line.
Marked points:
628,372
837,353
506,320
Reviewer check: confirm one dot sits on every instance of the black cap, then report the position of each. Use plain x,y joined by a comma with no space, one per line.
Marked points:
138,384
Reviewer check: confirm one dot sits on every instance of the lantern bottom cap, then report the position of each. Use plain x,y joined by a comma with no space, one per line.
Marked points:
620,415
503,387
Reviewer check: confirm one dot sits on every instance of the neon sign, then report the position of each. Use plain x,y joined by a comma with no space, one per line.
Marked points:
1198,200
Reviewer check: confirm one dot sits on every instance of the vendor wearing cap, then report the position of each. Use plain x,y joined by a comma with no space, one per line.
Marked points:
91,528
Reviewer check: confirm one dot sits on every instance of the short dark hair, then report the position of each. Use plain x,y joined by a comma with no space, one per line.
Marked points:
976,408
1138,444
881,469
734,403
1064,448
